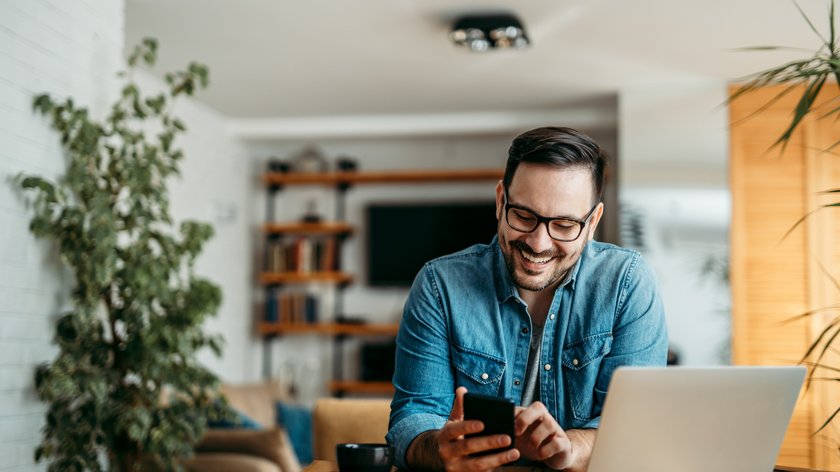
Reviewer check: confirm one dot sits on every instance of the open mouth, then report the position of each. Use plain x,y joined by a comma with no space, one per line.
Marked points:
535,260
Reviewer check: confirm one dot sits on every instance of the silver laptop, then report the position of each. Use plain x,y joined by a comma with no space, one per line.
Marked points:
685,419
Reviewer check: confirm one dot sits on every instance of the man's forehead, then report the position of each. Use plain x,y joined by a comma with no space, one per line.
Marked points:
545,181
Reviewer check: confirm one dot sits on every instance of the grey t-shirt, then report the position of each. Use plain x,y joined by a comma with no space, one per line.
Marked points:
531,389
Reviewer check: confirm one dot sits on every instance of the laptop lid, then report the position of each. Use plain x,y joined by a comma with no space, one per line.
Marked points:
691,419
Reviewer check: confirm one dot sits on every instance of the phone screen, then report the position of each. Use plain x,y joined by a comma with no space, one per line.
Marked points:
495,412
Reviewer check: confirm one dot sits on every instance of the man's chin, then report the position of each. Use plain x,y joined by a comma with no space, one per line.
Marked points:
532,282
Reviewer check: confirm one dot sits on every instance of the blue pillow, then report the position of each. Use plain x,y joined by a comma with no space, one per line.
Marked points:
298,423
242,421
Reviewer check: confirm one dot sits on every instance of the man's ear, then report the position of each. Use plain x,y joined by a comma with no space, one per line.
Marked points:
500,200
595,219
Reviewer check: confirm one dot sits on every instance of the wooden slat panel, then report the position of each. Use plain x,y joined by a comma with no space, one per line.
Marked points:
774,279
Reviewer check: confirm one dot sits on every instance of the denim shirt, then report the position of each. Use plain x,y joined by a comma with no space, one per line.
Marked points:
464,324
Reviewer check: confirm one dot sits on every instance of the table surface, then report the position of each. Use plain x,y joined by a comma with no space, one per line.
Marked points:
327,466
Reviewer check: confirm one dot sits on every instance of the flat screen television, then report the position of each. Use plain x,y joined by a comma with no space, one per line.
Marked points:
401,237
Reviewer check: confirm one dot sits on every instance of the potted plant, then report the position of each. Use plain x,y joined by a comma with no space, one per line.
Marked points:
809,76
125,387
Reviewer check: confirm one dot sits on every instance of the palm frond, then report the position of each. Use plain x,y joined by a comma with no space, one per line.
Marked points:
816,365
802,109
827,422
814,28
830,277
809,313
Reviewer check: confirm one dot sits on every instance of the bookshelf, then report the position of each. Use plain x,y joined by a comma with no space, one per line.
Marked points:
323,265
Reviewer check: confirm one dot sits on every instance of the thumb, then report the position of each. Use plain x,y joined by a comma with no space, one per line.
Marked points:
457,413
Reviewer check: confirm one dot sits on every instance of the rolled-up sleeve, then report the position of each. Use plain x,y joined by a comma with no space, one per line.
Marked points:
424,381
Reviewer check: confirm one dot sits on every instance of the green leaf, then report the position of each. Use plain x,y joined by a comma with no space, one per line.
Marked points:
42,103
828,421
808,20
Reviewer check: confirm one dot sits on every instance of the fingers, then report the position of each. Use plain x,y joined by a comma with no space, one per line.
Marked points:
539,436
466,447
456,450
457,412
455,430
457,456
525,417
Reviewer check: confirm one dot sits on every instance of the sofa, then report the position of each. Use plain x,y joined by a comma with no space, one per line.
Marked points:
248,450
339,420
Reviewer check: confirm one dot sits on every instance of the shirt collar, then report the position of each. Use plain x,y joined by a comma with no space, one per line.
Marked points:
506,289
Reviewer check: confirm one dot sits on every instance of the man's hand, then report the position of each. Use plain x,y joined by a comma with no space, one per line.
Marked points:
448,449
540,438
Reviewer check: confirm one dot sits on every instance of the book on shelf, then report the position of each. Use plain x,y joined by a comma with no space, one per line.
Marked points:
303,255
290,307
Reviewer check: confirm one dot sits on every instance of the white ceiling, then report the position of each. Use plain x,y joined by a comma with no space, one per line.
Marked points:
317,58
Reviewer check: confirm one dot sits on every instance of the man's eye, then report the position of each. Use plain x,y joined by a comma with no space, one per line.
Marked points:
524,216
564,224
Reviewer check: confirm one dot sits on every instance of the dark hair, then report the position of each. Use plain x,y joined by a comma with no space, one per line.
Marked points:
557,147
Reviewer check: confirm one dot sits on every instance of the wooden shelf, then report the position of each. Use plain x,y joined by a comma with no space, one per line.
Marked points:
268,278
411,176
329,228
354,386
329,329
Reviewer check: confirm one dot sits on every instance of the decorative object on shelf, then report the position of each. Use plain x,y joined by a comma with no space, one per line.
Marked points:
125,386
311,215
346,164
309,160
482,32
278,165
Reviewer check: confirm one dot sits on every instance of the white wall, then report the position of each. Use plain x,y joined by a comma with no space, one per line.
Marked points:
64,48
674,156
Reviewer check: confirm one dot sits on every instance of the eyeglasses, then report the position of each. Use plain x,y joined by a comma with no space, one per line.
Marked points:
559,229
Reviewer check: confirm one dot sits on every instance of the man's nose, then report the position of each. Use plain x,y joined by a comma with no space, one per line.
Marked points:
539,240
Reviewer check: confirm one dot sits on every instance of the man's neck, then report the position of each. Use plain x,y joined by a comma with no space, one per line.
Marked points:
538,303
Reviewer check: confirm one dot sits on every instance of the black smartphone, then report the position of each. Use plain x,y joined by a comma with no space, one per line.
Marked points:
495,412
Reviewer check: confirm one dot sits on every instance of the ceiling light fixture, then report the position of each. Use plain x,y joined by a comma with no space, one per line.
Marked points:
480,33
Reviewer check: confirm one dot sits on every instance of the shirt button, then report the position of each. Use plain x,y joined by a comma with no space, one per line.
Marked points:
484,376
547,367
551,316
524,330
516,382
575,362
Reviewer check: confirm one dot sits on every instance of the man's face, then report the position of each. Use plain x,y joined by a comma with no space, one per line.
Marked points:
534,260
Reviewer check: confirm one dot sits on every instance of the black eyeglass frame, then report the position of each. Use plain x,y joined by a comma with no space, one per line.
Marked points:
546,220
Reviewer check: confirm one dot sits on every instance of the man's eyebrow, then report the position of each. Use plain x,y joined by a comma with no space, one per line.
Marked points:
523,207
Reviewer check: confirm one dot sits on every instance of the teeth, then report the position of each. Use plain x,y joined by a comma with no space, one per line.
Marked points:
537,260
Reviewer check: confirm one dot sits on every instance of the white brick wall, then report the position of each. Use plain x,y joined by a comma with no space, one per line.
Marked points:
64,48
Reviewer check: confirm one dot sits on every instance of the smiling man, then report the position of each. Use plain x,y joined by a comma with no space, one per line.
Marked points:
542,315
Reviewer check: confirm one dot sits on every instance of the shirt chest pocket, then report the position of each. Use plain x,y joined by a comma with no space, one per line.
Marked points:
581,364
479,372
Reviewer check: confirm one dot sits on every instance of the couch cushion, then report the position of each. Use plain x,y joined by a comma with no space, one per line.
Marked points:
297,421
226,462
271,444
256,401
337,421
